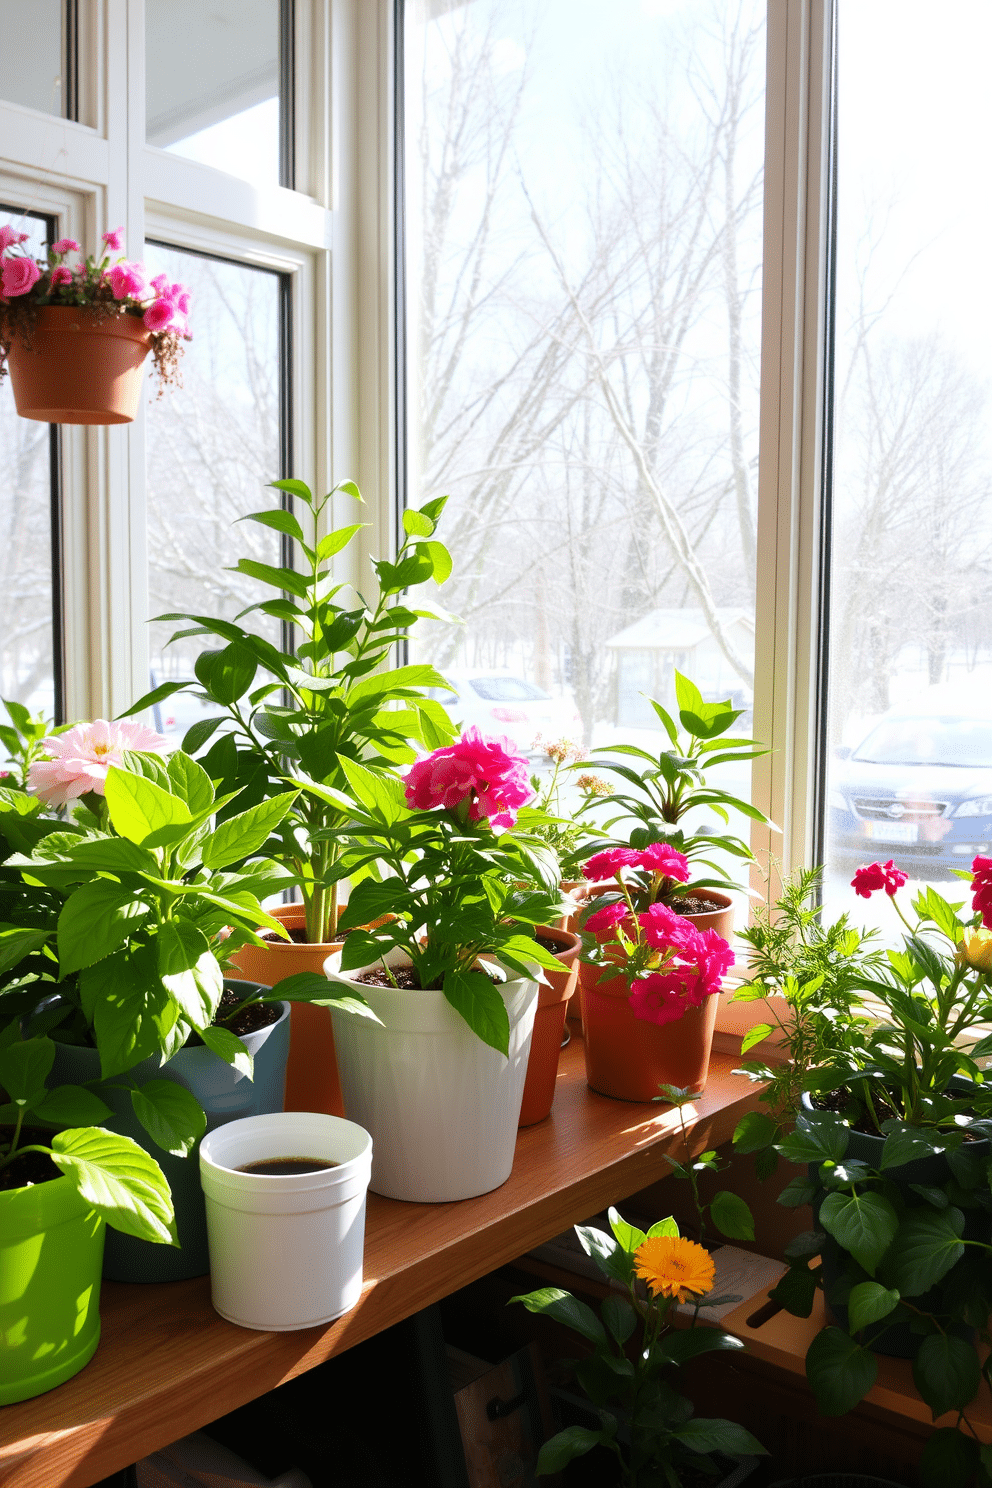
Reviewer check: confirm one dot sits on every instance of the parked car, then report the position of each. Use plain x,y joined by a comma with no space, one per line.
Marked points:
917,789
501,703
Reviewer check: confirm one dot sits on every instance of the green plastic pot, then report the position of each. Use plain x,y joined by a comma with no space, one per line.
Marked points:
51,1253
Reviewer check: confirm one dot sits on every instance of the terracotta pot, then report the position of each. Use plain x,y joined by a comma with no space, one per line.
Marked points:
312,1082
549,1024
79,368
628,1057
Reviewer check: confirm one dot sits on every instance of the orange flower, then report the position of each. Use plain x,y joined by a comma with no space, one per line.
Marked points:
673,1267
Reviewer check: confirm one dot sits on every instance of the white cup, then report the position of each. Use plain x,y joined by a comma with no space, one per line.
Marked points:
286,1250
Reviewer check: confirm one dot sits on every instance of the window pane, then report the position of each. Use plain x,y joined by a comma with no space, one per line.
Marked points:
31,56
910,768
584,277
218,101
27,668
212,446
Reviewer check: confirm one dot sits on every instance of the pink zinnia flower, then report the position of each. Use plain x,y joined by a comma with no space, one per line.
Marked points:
9,236
61,275
80,758
660,858
608,864
686,980
128,279
160,284
876,876
981,883
64,246
483,771
19,274
604,919
160,316
114,239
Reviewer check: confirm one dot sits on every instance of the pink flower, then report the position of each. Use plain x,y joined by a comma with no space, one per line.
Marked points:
160,284
80,758
61,275
19,274
608,864
878,876
664,996
9,236
604,919
660,858
981,883
686,980
114,240
128,279
64,246
483,771
664,928
160,316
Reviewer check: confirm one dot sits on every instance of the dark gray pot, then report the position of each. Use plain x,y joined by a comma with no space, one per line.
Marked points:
224,1095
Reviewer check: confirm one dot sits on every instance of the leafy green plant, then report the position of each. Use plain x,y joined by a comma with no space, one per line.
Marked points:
660,790
116,925
634,1350
23,738
290,730
112,1173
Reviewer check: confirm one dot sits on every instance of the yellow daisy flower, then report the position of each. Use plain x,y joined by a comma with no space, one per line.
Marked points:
673,1267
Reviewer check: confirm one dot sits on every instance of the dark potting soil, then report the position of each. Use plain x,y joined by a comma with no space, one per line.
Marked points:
298,935
27,1167
553,946
841,1103
690,904
404,977
287,1167
251,1018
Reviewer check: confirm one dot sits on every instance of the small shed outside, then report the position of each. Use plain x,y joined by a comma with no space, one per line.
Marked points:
664,641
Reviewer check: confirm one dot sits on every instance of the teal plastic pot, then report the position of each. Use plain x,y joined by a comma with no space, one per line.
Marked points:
51,1248
225,1095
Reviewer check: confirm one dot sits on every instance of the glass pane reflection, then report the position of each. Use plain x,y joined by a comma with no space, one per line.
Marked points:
31,57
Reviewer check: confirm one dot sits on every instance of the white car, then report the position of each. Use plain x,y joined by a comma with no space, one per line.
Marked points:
502,704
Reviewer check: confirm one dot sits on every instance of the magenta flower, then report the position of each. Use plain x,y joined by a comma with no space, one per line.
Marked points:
80,758
484,772
604,919
663,927
61,275
9,236
660,858
981,883
64,246
114,240
128,280
19,274
867,880
160,316
685,981
160,284
608,864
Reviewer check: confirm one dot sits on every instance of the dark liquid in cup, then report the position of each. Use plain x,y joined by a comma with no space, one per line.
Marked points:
277,1167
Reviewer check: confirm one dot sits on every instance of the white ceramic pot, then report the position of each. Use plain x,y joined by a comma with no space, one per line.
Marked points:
441,1105
286,1251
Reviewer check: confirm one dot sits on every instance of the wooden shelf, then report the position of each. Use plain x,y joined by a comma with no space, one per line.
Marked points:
167,1364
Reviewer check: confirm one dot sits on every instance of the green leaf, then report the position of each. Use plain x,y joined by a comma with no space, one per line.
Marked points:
560,1450
417,524
439,557
279,520
335,541
666,1226
798,1191
754,1131
15,944
112,855
119,1179
840,1371
869,1303
191,782
241,835
732,1216
171,1115
949,1460
474,996
683,1344
627,1235
24,1068
946,1372
279,578
619,1317
138,807
716,1435
227,1046
71,1105
565,1309
610,1257
927,1245
96,920
755,1035
227,674
819,1138
865,1224
905,1144
795,1291
189,970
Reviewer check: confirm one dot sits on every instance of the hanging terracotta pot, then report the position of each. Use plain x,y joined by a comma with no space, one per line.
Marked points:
549,1024
312,1082
79,367
629,1057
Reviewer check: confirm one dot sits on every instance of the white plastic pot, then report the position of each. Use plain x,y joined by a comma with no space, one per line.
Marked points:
441,1105
286,1250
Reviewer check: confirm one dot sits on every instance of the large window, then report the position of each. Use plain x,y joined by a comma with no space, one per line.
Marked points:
583,251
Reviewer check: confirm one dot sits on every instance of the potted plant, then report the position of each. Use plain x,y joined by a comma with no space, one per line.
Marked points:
439,1083
75,338
60,1183
286,720
894,1130
648,1017
644,1421
118,922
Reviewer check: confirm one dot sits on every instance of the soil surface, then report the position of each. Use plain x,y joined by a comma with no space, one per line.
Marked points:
28,1167
691,904
298,935
553,946
404,977
839,1101
250,1019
